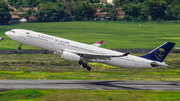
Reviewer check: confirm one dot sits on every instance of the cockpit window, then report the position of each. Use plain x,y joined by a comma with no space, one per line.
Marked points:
27,33
13,31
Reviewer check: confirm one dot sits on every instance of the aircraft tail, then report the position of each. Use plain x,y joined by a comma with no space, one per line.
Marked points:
160,53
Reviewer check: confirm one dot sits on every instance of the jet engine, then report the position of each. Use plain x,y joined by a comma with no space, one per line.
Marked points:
70,56
154,64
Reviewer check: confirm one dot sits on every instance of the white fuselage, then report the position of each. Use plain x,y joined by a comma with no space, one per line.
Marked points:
54,44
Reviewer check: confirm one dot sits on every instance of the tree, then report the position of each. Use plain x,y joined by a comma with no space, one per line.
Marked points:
87,10
156,9
176,12
50,12
169,13
176,9
119,3
28,13
69,5
5,17
175,2
83,10
138,1
30,3
131,11
169,1
112,13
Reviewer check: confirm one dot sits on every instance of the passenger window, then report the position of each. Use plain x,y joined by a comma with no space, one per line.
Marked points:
27,33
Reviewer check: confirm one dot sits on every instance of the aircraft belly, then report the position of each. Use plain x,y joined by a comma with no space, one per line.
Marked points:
96,60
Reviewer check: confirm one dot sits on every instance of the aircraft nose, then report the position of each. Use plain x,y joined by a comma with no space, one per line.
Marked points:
11,35
7,33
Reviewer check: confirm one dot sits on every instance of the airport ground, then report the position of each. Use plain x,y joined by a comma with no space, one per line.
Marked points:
126,35
52,67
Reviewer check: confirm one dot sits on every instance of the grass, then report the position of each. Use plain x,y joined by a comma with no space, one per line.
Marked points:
22,95
126,35
89,95
52,67
49,66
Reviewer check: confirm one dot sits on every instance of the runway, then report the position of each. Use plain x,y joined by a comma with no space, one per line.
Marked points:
89,85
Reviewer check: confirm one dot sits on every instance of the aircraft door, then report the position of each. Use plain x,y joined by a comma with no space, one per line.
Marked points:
52,42
23,35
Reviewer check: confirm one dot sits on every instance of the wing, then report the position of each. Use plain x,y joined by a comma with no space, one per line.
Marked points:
97,56
98,44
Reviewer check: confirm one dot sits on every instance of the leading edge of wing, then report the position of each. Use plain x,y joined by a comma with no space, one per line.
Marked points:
85,54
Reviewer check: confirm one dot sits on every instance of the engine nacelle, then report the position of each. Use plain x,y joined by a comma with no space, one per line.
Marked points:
154,64
70,56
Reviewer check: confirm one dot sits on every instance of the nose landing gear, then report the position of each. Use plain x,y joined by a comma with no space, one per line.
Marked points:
19,48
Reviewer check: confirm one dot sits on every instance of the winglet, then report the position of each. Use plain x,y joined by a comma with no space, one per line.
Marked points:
126,54
100,42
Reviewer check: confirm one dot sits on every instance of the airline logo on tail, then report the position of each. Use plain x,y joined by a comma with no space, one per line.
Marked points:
159,54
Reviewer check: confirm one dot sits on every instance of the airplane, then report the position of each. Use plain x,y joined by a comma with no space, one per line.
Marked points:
84,53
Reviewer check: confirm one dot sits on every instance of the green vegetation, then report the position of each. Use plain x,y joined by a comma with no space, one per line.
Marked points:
116,35
89,95
56,10
4,12
78,10
23,95
49,66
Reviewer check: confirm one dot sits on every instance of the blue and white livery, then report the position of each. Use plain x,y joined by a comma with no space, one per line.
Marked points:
84,53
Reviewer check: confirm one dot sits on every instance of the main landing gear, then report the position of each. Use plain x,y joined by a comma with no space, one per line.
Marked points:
85,65
19,46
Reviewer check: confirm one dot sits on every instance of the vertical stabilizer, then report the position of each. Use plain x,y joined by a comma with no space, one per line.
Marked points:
160,53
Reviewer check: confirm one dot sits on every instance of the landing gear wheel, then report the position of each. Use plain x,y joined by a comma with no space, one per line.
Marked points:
19,48
84,65
80,62
88,68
